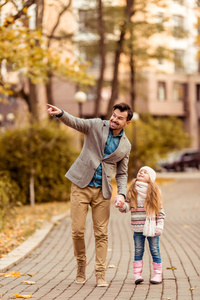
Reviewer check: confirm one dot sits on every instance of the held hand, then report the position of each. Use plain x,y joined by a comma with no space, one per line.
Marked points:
53,110
119,201
158,231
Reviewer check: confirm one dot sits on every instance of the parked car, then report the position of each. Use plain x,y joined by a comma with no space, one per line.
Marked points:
179,161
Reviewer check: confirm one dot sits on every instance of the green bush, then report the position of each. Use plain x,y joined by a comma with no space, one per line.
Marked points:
152,138
46,151
9,191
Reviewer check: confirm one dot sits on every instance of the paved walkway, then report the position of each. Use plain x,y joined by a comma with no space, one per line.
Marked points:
52,265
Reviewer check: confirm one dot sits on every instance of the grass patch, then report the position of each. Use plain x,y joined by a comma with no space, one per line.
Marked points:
22,222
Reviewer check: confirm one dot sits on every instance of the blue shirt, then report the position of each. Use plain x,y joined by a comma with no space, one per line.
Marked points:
111,145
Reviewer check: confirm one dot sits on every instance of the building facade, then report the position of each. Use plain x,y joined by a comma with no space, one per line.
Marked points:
167,87
173,87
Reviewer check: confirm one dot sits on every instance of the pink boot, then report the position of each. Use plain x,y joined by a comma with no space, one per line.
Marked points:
158,273
137,271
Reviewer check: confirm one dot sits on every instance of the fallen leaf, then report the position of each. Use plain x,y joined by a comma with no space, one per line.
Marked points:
192,288
10,274
30,282
186,226
171,268
112,266
31,275
22,221
22,296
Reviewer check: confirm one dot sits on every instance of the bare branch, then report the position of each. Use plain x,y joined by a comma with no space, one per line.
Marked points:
58,38
64,9
13,2
3,4
20,12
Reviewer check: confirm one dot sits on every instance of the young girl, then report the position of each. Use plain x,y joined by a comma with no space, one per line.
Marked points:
147,220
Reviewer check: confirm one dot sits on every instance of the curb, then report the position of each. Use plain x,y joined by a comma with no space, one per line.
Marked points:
23,250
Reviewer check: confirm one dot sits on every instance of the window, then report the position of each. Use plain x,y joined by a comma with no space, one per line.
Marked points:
159,17
179,1
179,92
179,60
178,27
161,91
160,20
198,92
82,20
161,53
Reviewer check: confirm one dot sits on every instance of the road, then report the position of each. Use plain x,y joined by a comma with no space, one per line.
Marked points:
52,265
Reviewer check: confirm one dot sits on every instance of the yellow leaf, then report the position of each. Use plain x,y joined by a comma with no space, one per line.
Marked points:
186,226
10,19
30,282
12,274
22,296
192,288
171,268
112,266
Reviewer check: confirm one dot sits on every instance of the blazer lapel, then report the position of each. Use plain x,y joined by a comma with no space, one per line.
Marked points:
120,149
105,135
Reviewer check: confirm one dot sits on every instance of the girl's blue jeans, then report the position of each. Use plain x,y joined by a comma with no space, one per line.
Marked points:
139,241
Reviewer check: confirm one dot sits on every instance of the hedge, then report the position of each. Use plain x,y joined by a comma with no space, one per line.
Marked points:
48,150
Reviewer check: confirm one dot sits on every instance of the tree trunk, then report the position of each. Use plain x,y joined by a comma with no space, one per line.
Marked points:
114,93
49,91
103,61
116,72
32,187
132,76
31,165
33,101
39,14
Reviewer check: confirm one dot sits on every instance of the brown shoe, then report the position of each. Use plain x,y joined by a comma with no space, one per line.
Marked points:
80,276
100,278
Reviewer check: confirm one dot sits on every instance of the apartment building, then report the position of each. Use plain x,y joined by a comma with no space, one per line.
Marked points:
173,87
168,87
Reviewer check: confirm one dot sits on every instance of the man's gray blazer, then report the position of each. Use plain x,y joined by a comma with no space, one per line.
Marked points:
96,133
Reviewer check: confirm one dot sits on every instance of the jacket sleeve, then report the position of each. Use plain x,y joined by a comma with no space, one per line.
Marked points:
122,174
125,208
78,124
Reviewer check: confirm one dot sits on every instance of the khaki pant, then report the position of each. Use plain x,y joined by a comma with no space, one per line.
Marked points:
80,199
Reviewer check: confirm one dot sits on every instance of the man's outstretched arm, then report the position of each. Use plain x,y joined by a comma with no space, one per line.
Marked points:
82,125
53,110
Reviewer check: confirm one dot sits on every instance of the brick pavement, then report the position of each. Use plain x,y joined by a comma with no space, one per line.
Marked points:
54,265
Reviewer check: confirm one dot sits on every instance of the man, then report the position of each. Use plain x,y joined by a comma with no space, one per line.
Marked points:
105,148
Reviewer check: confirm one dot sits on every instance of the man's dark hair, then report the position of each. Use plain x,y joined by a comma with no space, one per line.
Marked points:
124,107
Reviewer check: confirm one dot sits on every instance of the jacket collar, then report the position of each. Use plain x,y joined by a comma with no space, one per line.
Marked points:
106,128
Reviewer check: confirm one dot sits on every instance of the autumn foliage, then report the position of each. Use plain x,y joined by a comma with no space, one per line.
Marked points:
47,151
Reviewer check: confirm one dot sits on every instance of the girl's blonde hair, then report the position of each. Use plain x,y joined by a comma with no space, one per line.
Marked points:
152,202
